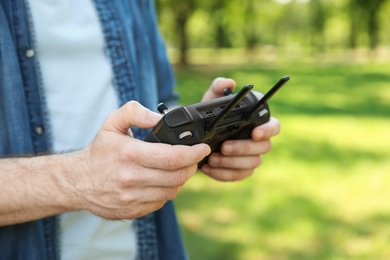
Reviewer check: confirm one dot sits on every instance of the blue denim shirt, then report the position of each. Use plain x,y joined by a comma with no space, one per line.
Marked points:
141,71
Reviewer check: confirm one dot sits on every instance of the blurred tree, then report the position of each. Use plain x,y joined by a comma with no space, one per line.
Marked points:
290,26
182,11
318,17
373,21
354,14
366,12
251,20
218,11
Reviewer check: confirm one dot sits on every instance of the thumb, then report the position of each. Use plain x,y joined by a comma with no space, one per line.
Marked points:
217,87
130,114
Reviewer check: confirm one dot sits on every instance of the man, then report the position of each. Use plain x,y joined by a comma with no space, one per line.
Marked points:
64,67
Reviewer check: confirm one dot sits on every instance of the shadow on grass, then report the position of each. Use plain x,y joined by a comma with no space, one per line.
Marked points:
290,225
331,235
279,236
316,152
320,243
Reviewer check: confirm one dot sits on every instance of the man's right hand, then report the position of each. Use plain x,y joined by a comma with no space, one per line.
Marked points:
116,176
127,178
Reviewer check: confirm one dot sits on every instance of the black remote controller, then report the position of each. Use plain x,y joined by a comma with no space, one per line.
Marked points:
212,122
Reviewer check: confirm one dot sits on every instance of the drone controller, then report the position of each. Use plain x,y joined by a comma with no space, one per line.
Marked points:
212,122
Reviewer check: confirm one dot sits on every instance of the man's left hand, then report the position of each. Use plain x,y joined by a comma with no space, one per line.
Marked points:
238,158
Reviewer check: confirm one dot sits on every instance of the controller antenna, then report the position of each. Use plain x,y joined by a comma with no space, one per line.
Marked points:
227,109
267,96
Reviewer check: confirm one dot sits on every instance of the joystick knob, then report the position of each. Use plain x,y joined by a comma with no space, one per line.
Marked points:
162,108
227,92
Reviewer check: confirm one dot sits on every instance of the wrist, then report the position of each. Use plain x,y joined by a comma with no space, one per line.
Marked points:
68,181
37,187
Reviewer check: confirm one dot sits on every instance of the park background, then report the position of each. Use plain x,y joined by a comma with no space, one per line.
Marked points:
323,192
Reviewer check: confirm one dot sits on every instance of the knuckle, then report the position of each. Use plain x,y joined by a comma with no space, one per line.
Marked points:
278,129
217,81
242,148
128,216
126,200
124,153
218,174
173,161
215,159
133,109
126,179
267,146
181,177
256,161
171,193
159,205
131,106
124,214
136,213
110,117
249,172
226,161
240,175
237,175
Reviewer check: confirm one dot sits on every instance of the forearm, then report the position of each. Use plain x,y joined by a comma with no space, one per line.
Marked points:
114,177
33,188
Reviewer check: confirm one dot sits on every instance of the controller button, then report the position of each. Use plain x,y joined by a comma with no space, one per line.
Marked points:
177,118
263,112
185,135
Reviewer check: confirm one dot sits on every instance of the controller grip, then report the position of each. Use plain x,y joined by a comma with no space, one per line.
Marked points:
245,133
152,138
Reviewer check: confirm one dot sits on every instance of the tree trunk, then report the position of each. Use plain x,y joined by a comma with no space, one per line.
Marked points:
183,41
353,33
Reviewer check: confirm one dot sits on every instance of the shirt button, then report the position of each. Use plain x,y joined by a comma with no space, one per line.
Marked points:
29,53
39,130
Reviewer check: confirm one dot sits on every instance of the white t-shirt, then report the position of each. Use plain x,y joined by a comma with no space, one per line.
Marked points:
77,79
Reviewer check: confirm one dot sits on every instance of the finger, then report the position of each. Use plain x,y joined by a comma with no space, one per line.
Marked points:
173,178
245,147
129,115
135,211
146,208
234,162
148,194
217,87
222,174
162,194
147,177
164,156
267,130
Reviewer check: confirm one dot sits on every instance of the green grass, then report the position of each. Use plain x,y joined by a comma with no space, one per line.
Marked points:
323,192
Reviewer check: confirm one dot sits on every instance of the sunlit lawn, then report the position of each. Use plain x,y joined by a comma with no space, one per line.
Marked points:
323,192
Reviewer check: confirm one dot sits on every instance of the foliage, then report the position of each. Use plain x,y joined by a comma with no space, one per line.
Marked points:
322,191
366,12
314,25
